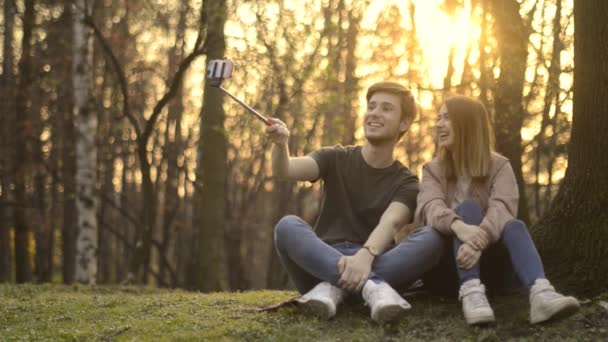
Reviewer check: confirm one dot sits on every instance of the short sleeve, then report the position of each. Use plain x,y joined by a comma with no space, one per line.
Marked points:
325,158
407,192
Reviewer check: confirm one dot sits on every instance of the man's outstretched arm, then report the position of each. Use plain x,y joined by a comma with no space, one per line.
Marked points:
284,166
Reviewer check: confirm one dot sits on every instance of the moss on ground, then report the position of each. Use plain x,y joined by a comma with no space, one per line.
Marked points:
102,313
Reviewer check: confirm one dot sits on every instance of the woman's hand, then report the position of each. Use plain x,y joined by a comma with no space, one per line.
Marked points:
470,234
467,256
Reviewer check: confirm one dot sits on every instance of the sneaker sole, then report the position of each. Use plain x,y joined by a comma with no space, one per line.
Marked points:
480,319
316,308
390,313
562,310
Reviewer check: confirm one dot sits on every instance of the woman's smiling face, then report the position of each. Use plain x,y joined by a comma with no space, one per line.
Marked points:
445,131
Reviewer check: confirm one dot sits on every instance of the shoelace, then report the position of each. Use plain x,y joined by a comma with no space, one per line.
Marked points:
546,292
549,294
374,296
478,299
382,292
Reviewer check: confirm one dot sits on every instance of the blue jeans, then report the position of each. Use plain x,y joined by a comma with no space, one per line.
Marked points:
515,238
309,261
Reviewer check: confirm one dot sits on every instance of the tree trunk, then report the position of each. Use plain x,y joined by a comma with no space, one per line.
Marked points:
39,218
23,148
68,172
573,235
42,223
333,124
65,109
86,151
173,148
351,82
141,261
508,109
211,163
283,196
484,72
7,107
447,80
127,189
107,156
551,95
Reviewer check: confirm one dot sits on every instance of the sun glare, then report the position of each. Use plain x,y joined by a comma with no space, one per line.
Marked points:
438,32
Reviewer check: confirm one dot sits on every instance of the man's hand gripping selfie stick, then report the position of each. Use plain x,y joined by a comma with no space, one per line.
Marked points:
220,69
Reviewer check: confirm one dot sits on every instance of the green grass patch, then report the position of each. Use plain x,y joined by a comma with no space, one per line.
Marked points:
102,313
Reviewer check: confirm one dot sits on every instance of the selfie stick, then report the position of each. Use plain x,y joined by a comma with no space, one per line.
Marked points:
217,71
251,110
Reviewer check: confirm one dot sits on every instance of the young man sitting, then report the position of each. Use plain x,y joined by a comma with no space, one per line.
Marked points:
368,197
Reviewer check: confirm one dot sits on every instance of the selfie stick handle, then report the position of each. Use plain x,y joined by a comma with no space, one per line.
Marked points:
251,110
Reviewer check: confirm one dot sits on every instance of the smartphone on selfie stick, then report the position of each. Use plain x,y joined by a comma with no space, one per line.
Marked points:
220,69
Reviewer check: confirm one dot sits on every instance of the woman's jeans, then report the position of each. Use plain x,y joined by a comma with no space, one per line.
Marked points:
309,261
514,253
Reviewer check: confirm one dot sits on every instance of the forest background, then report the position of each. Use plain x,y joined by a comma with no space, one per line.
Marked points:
118,164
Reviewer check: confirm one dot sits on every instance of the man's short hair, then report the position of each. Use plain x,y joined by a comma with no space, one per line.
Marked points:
408,104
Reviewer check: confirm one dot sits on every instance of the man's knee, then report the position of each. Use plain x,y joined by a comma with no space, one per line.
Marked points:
430,235
430,238
284,226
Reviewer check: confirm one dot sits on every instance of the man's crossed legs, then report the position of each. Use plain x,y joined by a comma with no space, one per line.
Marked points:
313,267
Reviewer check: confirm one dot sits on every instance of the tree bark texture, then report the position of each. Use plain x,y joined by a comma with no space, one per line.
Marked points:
7,108
24,138
211,164
512,40
573,235
86,150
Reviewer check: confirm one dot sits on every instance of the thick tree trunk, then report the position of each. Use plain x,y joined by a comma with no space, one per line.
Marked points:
573,235
7,107
508,109
86,152
211,164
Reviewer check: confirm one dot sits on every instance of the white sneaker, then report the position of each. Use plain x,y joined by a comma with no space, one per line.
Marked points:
322,300
545,303
475,305
385,303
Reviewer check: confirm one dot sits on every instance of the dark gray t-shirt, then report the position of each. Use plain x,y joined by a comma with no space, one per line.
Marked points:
356,194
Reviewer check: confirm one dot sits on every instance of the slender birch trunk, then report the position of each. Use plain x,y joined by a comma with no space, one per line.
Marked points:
86,151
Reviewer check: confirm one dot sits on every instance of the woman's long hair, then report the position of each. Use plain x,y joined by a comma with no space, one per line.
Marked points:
471,152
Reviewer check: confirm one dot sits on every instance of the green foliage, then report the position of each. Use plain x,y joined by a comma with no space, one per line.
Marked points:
82,313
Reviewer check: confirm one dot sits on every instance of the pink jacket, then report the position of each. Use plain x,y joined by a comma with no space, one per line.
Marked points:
497,195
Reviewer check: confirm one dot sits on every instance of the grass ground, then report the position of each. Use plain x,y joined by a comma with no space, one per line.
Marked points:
82,313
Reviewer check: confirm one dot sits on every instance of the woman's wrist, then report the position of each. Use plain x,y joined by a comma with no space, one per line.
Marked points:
456,226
